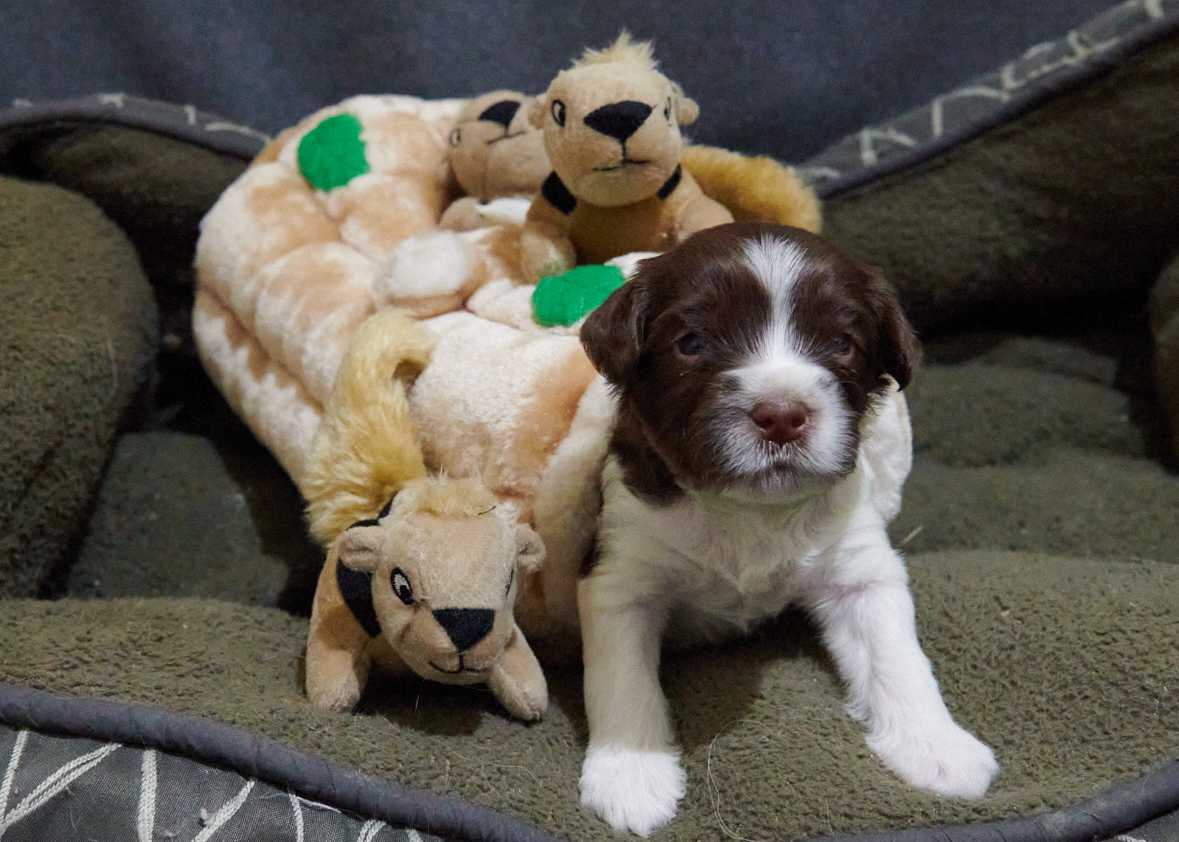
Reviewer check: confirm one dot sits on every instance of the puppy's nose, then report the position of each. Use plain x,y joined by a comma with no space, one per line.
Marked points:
780,422
618,120
465,626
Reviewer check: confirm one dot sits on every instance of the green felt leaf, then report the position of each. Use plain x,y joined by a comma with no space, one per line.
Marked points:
332,154
563,299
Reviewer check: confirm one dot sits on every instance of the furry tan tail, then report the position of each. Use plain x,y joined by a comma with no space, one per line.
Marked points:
753,188
366,447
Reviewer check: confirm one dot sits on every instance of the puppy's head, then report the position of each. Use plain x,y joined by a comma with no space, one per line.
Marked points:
746,358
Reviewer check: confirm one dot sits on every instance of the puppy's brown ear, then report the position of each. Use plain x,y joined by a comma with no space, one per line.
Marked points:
613,334
899,349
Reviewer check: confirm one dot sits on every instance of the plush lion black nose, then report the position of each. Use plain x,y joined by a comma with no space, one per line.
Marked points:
618,120
465,626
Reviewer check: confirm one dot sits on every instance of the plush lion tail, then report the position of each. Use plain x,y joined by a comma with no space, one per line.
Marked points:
366,447
753,188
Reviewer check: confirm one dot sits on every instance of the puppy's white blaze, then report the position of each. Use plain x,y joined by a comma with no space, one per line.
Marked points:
777,265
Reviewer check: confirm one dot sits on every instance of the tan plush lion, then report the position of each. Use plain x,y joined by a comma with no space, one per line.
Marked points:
429,582
612,132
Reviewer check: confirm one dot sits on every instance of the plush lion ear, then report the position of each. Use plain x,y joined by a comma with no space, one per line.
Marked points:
686,110
360,547
537,109
529,549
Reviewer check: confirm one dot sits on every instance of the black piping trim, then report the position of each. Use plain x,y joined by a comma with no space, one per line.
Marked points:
262,759
1058,84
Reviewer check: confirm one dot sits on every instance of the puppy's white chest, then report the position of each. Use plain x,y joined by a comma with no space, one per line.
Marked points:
719,568
742,571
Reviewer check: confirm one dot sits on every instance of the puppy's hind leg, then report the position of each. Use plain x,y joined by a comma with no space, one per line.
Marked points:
631,776
866,613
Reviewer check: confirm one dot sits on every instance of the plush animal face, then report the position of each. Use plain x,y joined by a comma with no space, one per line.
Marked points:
612,125
746,359
495,151
436,574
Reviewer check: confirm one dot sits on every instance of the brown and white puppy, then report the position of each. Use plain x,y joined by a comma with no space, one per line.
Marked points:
759,449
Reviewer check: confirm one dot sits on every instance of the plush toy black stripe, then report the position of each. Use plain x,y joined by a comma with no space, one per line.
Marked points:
672,183
558,195
357,590
502,112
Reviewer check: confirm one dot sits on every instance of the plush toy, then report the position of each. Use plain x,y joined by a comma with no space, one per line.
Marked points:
496,155
290,266
287,257
428,584
612,132
366,445
499,161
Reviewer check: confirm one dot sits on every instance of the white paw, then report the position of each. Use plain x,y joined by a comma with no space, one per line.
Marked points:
942,758
632,790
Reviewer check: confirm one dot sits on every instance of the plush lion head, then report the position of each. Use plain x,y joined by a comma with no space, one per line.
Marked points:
612,124
436,574
494,150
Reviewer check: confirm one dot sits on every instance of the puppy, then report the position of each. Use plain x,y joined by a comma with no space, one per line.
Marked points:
758,451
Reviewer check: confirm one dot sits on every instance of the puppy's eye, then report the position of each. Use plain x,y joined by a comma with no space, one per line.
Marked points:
401,586
845,348
456,137
690,345
558,109
667,110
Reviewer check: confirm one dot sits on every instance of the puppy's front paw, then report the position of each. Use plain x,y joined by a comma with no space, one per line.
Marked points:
632,790
944,759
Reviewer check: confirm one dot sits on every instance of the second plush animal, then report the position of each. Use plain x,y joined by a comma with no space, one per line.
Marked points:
612,133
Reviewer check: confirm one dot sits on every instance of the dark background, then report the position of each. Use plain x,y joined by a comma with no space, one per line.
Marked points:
784,78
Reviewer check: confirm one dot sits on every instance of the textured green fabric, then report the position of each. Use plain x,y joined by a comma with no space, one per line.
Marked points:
1076,202
240,516
1066,666
1164,317
568,298
156,188
77,333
